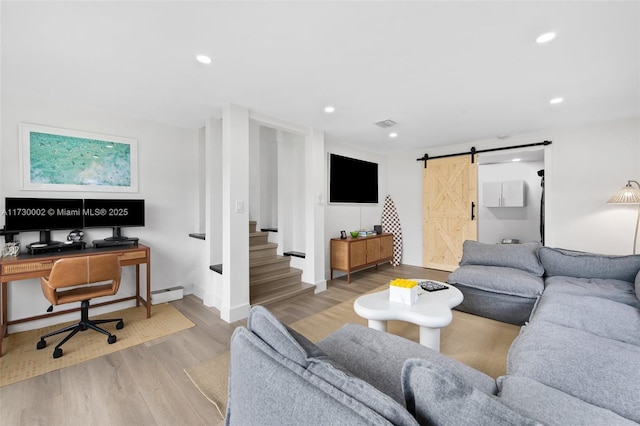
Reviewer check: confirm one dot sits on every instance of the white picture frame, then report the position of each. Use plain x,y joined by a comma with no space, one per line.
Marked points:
55,159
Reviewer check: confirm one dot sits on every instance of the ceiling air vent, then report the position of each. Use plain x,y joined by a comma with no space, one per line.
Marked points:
385,123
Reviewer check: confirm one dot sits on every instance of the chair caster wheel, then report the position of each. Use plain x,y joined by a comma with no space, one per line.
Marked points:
57,353
112,339
41,344
119,325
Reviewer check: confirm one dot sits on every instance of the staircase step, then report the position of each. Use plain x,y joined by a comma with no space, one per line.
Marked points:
285,293
265,265
271,280
258,238
262,251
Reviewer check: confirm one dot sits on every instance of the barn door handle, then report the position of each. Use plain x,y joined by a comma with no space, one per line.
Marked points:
473,205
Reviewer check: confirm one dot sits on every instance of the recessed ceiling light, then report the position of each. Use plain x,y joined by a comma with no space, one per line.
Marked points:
545,38
556,101
393,135
329,109
515,160
203,59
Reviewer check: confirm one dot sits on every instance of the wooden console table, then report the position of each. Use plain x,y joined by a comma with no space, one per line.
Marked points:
27,266
351,254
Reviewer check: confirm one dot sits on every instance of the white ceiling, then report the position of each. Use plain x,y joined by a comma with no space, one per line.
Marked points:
446,72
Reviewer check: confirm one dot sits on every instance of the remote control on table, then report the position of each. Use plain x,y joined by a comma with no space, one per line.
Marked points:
432,285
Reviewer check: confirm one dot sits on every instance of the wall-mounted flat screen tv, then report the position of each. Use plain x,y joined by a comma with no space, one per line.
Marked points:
352,180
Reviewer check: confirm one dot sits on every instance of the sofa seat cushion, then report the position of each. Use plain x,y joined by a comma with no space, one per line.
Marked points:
318,368
519,256
570,263
437,396
498,279
600,371
378,358
602,317
552,407
500,307
610,289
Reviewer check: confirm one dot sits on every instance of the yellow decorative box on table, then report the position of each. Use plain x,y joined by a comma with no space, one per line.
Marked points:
403,291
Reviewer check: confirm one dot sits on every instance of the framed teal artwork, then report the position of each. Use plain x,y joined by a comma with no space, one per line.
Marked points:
56,159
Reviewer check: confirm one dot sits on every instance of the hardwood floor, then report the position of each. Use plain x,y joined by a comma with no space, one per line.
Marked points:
146,384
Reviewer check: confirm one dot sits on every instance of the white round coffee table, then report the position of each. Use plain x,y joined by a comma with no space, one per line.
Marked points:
431,312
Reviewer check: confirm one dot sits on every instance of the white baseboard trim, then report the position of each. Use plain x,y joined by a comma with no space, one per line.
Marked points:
321,286
234,314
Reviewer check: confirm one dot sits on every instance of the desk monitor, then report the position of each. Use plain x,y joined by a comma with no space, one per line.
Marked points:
42,215
115,214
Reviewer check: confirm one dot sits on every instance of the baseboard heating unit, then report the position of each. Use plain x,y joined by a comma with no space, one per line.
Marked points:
167,295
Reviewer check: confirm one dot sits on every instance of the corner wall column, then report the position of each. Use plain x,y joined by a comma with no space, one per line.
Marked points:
213,211
315,201
235,213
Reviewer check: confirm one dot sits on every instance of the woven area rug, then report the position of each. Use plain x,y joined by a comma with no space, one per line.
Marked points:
478,342
21,360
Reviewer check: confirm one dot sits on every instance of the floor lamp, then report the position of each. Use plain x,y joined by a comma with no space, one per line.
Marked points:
629,195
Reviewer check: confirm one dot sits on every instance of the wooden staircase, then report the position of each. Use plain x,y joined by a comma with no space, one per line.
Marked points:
271,279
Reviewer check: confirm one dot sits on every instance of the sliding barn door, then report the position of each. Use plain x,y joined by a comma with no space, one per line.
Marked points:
450,200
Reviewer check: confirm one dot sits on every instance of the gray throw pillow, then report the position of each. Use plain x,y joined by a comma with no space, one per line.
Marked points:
435,396
570,263
520,256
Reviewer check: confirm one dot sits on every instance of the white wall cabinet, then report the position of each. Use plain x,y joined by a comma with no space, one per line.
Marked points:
509,193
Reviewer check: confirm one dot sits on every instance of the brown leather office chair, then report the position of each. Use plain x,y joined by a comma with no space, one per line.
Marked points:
80,272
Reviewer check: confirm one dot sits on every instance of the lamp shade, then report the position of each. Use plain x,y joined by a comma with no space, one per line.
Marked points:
627,195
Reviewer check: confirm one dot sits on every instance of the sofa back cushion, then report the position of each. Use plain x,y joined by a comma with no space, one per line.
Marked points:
319,368
570,263
435,395
284,340
520,256
267,388
378,358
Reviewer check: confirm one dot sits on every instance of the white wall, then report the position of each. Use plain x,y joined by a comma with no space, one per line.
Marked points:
584,167
353,217
268,167
523,223
291,201
168,176
588,165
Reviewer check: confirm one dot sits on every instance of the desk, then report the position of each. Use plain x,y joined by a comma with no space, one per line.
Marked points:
28,266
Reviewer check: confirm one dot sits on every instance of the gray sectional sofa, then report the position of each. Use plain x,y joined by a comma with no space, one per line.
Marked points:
575,362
